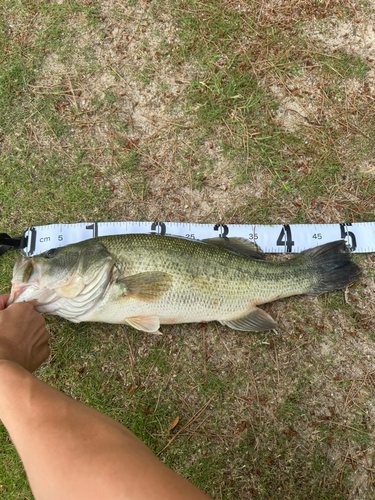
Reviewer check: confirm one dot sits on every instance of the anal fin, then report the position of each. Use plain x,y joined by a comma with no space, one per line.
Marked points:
150,324
256,321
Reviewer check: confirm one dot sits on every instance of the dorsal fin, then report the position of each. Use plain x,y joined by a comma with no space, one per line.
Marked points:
239,246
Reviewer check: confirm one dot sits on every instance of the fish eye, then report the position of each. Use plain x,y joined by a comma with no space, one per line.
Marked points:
50,253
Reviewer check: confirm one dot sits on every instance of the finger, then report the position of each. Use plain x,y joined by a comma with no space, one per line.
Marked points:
44,336
43,355
34,302
3,300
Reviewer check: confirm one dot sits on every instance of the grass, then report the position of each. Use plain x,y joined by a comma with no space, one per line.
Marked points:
226,94
202,112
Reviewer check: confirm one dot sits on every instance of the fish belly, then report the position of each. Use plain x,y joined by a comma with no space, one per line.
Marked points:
189,305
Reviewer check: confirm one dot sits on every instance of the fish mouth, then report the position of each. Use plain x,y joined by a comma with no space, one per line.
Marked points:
18,290
30,292
26,285
21,284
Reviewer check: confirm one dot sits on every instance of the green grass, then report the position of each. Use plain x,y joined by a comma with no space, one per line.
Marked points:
345,65
57,192
228,98
11,468
270,469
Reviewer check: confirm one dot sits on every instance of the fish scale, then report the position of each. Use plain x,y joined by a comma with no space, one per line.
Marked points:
198,283
208,275
145,280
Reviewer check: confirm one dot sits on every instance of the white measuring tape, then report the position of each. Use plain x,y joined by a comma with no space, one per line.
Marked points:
271,239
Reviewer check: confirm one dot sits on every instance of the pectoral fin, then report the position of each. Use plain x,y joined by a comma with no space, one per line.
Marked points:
147,287
150,324
256,321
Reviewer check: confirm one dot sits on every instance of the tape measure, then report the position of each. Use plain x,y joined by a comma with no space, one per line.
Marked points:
292,238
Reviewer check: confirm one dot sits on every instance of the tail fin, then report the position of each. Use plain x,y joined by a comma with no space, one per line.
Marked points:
331,266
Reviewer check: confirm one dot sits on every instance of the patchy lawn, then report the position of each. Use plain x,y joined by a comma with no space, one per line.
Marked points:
204,111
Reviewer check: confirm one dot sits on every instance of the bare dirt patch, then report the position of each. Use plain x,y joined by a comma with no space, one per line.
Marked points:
135,103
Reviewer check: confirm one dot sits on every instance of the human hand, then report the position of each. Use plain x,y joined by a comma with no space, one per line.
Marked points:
23,337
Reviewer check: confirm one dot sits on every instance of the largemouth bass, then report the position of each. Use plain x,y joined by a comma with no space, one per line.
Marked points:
145,280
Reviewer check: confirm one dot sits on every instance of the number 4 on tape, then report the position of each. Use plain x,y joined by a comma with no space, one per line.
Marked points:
285,238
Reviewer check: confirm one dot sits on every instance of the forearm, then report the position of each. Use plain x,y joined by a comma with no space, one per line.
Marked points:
81,452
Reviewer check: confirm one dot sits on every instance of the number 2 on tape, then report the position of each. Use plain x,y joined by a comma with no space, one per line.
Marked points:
94,229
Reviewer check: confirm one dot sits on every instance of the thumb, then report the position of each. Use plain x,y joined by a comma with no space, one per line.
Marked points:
3,300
